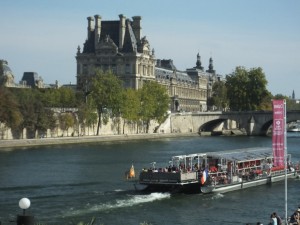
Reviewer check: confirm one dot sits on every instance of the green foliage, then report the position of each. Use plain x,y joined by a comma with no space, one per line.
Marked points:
32,108
62,97
106,91
130,106
87,114
10,114
154,103
219,96
29,107
246,89
66,120
1,73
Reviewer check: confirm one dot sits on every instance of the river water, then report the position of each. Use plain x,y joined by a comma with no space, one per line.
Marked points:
73,183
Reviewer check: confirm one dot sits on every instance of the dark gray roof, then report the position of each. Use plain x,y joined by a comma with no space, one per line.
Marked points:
31,78
111,29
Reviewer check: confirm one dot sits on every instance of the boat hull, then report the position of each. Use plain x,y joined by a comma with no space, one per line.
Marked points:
253,183
191,188
196,187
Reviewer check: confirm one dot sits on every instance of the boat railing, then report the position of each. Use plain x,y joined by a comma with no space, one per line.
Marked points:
242,174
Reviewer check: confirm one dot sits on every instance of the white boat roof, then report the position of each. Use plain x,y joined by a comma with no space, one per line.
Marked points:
244,154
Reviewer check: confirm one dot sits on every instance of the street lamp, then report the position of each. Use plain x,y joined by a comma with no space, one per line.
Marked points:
24,204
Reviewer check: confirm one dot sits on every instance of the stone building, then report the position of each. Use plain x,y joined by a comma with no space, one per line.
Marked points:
119,46
188,92
6,75
29,79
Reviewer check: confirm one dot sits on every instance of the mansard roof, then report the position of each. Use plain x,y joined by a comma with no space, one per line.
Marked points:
112,29
165,69
130,42
89,45
31,78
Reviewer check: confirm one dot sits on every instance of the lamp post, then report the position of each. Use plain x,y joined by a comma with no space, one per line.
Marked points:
24,219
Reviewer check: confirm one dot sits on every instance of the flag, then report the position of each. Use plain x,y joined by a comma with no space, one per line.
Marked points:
204,176
278,132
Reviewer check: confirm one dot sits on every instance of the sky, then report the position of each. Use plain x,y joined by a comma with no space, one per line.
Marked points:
43,35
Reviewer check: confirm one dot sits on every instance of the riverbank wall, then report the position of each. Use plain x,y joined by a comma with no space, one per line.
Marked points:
9,144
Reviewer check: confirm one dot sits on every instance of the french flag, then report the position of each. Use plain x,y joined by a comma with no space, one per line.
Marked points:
204,176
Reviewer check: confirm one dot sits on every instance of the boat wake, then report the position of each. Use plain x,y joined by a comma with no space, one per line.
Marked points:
129,202
217,196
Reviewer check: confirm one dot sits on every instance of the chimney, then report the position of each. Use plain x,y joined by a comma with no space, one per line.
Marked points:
136,26
90,26
122,28
97,28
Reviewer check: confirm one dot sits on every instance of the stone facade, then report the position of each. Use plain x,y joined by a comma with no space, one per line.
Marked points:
6,75
119,46
29,79
116,46
187,92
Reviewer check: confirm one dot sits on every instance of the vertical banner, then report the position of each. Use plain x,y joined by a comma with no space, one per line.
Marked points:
278,132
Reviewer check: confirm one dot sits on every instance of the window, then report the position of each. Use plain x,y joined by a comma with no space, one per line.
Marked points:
127,69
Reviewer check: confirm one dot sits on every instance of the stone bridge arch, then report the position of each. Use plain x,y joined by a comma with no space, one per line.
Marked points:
252,122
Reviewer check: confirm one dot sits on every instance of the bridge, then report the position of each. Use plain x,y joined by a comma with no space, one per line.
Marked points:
250,122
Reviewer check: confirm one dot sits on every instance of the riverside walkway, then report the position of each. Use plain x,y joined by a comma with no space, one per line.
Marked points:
86,139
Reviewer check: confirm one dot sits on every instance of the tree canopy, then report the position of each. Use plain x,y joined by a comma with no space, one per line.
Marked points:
219,96
154,103
106,91
10,114
246,90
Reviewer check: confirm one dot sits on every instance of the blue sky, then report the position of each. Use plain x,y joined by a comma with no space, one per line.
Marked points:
43,35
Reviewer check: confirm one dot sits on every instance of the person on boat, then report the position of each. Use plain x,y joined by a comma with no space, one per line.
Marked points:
295,218
279,221
273,220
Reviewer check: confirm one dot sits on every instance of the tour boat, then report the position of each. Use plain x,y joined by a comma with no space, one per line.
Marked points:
219,172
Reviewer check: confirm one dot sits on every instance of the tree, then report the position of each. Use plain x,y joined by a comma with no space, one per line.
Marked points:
66,97
27,99
258,93
154,103
290,103
62,97
219,96
1,73
10,114
66,120
106,91
45,119
36,117
130,106
87,114
246,89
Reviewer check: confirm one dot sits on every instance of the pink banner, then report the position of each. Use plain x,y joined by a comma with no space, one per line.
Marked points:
278,132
